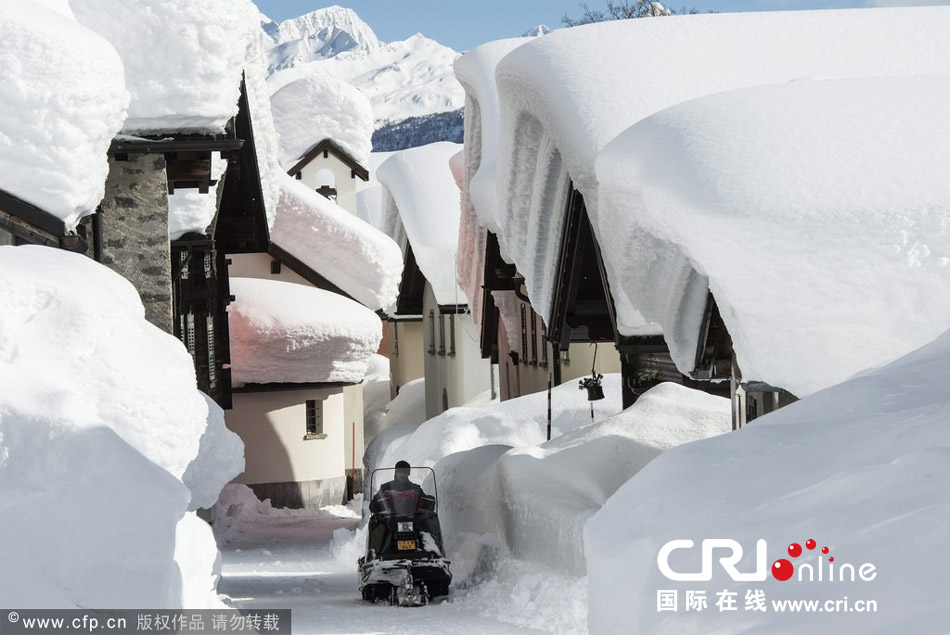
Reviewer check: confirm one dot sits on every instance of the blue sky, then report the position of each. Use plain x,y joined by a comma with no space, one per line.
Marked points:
464,24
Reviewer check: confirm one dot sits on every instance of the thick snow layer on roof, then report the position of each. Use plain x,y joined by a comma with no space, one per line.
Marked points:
861,468
265,134
470,253
424,190
310,110
183,59
817,212
347,251
284,332
475,70
370,200
99,406
62,101
564,96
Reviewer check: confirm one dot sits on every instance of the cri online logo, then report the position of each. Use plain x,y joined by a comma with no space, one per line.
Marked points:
782,569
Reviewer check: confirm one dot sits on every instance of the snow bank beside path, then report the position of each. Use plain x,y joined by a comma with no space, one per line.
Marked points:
861,468
62,100
100,421
516,423
539,497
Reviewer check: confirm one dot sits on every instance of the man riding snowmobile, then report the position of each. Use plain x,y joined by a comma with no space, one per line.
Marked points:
404,559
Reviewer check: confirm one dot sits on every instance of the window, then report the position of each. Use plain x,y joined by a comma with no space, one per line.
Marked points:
431,332
314,419
441,334
395,339
534,339
524,335
275,267
212,359
451,334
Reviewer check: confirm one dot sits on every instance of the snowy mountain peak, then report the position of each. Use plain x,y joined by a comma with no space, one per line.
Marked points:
541,29
318,35
328,21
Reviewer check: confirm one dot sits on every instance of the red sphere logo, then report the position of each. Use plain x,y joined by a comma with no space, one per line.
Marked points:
783,569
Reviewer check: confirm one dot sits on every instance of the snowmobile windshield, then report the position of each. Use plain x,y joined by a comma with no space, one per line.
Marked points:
401,493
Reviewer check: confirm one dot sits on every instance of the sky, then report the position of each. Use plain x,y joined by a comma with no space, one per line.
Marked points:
464,24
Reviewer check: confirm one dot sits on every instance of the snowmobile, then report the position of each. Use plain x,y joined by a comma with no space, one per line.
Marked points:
404,562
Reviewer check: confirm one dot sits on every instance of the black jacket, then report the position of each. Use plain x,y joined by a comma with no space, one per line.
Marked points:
394,489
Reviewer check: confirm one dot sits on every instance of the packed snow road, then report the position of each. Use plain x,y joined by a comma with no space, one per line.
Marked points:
286,561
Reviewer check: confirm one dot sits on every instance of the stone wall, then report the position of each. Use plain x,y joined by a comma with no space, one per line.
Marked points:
135,232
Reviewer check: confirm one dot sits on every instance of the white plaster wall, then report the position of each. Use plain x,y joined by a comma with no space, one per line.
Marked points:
258,266
272,426
353,426
462,376
409,364
345,182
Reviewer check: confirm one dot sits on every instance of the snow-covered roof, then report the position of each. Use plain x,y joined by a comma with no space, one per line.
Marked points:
290,333
423,189
564,96
182,59
347,251
470,254
62,100
313,109
817,211
480,201
370,202
265,134
475,70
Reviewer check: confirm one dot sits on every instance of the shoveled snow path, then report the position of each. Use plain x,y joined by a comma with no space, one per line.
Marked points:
286,562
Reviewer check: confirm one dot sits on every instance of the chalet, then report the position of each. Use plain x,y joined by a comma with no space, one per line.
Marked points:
422,215
511,333
324,127
564,97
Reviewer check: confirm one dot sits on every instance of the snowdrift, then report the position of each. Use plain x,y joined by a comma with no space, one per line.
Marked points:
861,468
539,497
100,424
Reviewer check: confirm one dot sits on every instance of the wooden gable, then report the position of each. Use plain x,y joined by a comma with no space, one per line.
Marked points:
326,148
